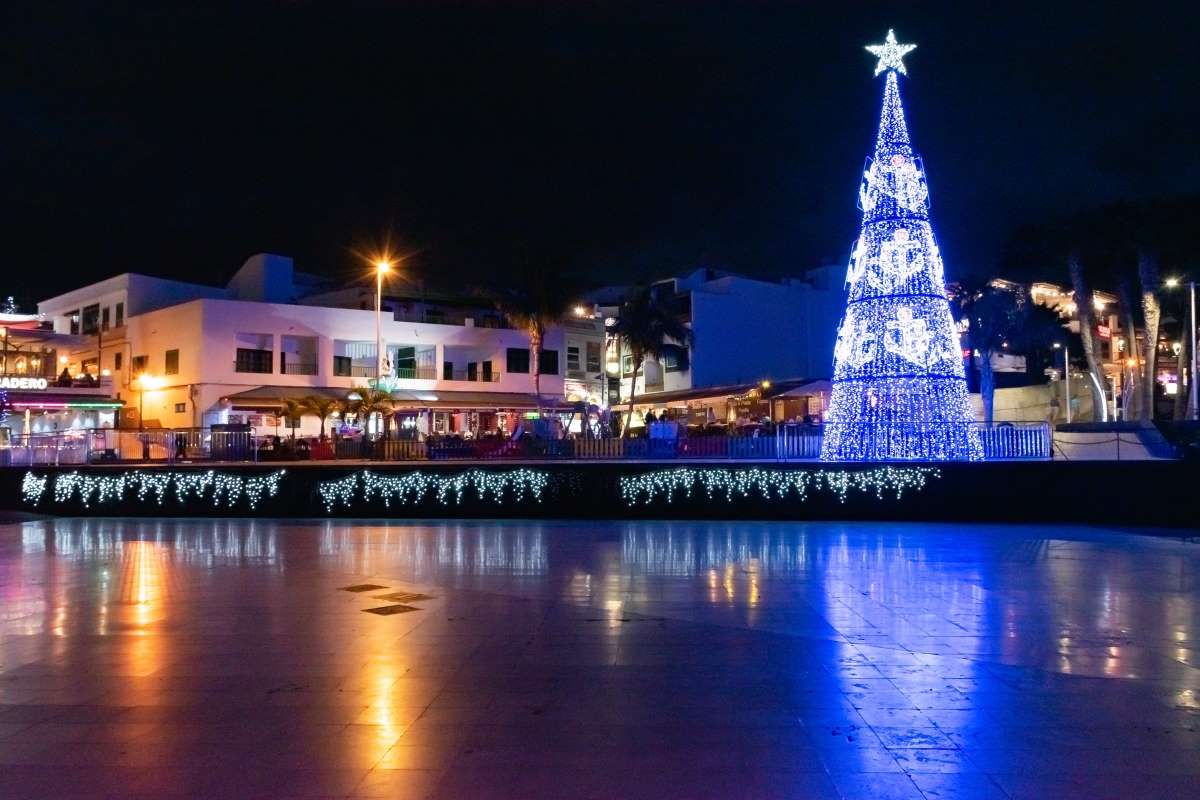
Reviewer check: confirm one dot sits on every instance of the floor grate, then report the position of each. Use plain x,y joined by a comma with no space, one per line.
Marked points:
387,611
361,587
403,597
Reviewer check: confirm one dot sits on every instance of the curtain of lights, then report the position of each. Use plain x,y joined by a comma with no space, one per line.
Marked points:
899,390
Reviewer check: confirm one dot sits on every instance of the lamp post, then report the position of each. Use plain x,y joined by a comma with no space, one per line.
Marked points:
1194,412
1066,375
382,266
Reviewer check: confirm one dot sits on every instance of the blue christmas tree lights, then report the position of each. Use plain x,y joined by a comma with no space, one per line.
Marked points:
899,388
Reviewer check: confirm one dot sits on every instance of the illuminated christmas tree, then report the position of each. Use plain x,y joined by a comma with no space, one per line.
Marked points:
899,389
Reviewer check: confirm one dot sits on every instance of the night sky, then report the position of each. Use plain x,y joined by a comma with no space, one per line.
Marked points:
616,140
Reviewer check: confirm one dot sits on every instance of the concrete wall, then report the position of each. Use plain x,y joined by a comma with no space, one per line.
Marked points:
1033,403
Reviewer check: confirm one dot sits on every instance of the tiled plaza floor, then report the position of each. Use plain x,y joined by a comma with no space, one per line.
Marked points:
608,660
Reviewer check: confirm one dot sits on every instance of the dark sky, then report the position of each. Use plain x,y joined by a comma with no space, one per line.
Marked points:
620,140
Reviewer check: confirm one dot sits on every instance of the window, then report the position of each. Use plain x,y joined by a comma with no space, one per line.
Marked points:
73,316
255,352
171,363
593,356
627,364
139,364
90,320
472,370
118,359
573,359
670,362
447,370
181,408
487,372
252,360
120,315
104,318
518,360
341,366
548,362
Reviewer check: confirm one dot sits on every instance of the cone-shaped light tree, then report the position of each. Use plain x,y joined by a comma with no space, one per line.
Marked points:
899,388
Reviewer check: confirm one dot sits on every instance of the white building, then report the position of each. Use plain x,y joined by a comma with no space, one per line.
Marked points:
234,354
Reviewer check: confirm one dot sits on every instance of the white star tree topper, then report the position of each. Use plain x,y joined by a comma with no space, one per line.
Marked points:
890,54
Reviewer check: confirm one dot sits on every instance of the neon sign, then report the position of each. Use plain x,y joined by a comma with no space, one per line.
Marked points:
23,382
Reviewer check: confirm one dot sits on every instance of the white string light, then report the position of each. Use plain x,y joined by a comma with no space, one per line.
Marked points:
413,487
770,485
222,488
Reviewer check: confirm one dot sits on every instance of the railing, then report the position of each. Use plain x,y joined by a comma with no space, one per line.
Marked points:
404,373
1015,440
298,367
101,446
255,367
787,443
416,373
478,377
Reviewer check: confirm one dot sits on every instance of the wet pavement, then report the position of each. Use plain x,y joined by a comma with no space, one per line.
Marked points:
233,658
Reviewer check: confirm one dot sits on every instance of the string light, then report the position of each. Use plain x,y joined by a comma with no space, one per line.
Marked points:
222,488
770,485
33,487
413,487
899,389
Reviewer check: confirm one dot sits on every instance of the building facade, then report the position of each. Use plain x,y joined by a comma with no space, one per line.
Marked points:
185,355
746,330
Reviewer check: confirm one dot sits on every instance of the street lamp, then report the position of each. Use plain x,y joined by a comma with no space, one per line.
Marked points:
1066,375
1173,283
382,266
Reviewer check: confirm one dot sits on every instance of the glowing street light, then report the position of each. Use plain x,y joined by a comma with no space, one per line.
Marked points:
382,267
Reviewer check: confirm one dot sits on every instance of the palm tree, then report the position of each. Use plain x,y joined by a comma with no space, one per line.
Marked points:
993,316
1087,332
366,400
322,407
293,409
1152,315
536,300
648,326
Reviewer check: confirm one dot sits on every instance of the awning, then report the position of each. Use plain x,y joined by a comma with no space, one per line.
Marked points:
272,397
23,400
793,387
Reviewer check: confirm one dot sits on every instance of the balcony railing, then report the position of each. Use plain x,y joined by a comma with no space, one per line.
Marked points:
298,367
256,367
415,373
478,377
401,373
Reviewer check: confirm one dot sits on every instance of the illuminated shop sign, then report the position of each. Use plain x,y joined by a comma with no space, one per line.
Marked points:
23,382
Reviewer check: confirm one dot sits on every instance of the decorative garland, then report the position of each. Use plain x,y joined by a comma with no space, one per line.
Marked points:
412,487
664,484
156,485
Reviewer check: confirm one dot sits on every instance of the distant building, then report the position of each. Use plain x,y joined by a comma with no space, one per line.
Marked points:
747,330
